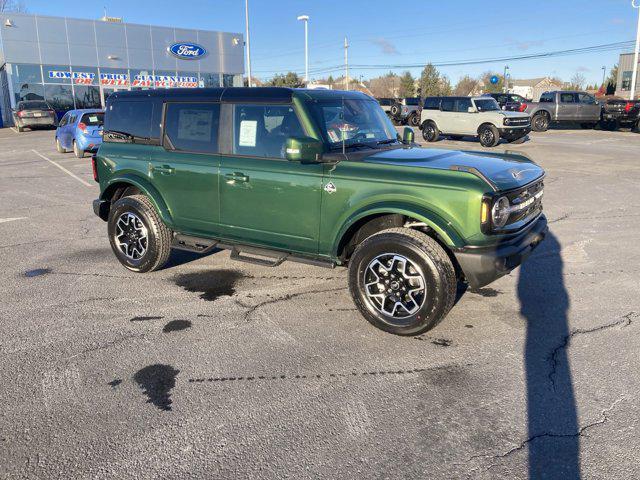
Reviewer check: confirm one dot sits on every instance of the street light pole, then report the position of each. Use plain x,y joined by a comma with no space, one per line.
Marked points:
635,57
604,73
504,79
305,19
346,63
246,18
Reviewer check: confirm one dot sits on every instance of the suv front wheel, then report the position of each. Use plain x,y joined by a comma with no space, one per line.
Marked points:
489,136
138,237
430,131
402,281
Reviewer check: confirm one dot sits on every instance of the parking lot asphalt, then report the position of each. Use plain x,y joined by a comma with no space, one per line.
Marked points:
216,369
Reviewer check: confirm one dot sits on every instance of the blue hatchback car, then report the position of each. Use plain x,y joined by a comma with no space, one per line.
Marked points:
80,131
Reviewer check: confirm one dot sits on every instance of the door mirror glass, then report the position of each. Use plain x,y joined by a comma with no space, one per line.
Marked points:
408,136
303,150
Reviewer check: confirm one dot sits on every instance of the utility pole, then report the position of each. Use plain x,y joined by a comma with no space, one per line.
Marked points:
305,19
604,73
346,63
246,17
635,56
505,86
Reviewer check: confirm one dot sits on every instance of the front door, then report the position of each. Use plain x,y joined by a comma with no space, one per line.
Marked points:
265,199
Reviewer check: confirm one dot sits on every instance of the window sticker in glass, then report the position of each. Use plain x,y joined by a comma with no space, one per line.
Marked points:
195,125
248,133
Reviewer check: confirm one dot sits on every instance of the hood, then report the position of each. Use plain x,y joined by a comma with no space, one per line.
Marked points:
502,171
511,114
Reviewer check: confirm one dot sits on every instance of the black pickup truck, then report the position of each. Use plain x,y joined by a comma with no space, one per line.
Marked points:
617,112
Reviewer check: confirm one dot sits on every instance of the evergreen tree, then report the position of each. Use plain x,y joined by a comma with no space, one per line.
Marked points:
407,85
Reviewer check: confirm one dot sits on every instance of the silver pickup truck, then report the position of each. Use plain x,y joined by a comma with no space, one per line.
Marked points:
564,107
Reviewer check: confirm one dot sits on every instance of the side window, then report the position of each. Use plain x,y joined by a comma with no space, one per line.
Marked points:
432,103
586,98
567,98
126,121
72,119
192,127
262,130
463,105
546,98
447,105
64,120
501,98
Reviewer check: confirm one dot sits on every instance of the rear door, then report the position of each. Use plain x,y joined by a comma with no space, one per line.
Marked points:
185,168
447,117
588,108
568,107
265,199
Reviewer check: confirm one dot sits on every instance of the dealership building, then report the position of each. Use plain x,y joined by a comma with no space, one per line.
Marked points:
625,72
76,63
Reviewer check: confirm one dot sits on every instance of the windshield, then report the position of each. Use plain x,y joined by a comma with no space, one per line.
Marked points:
352,121
487,105
33,105
93,119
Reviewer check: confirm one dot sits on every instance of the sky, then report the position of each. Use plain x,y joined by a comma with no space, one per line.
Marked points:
388,35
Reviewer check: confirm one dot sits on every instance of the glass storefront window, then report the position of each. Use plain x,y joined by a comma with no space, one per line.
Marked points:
56,73
209,80
84,75
60,97
141,79
28,91
26,73
188,79
626,80
227,80
165,78
114,77
87,96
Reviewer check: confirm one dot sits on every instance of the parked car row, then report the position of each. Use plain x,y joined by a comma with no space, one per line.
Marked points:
402,111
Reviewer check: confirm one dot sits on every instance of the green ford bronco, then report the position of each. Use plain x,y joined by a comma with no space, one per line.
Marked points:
319,177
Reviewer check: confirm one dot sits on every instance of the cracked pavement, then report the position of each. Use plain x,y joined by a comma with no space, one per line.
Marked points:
217,369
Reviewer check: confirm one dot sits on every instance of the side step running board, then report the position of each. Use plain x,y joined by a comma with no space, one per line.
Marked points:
273,258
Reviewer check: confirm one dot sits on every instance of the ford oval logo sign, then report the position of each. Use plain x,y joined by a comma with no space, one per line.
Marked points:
187,51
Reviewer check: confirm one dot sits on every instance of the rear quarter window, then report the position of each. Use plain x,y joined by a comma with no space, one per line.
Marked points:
139,119
432,103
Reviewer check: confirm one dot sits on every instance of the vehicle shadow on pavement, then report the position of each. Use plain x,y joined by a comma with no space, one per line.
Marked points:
553,440
180,257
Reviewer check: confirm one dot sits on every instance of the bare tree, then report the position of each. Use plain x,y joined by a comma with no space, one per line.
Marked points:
465,86
12,6
578,81
386,86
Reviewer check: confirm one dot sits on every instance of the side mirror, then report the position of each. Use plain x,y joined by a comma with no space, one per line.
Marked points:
408,136
472,110
303,150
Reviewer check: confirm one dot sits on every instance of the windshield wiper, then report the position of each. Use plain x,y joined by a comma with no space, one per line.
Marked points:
386,142
125,136
354,145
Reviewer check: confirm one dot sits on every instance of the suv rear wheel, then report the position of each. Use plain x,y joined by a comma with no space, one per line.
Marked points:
430,131
138,237
402,281
489,135
414,119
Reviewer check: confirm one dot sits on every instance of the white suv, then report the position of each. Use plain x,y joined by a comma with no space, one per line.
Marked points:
477,116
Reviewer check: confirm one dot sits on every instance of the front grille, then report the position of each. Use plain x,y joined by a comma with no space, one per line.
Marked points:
517,121
526,204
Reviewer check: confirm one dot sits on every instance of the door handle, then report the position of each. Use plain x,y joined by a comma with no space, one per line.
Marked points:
164,170
236,177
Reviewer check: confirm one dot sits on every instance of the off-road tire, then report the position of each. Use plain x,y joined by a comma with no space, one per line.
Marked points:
540,122
79,153
158,234
430,131
437,269
395,110
488,136
59,147
636,127
414,119
610,125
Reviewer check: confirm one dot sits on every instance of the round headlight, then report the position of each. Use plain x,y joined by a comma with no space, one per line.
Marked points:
500,212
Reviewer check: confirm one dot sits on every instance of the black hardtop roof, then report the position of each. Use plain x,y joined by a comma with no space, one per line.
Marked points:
238,94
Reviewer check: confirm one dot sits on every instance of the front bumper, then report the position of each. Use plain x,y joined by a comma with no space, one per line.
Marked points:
483,265
514,132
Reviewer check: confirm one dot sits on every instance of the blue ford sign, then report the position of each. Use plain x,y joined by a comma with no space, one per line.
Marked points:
187,51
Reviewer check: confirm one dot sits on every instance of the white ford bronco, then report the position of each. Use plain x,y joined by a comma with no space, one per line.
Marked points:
474,116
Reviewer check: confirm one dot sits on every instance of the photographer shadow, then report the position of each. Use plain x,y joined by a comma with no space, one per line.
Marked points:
553,433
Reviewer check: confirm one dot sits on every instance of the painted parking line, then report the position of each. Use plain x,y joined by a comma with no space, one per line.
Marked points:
13,129
62,168
4,220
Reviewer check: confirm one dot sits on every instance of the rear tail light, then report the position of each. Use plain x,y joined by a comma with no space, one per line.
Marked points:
94,167
628,106
20,114
82,127
523,107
